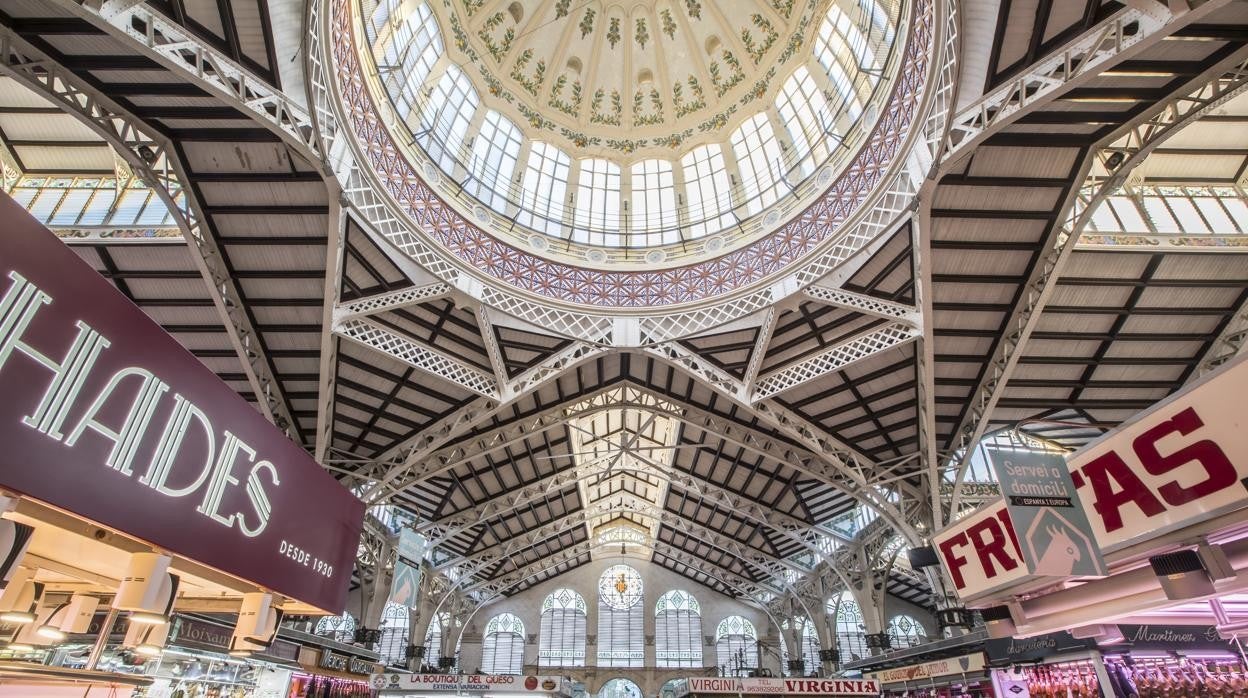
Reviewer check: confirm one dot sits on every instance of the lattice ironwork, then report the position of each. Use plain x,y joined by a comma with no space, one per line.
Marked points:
835,358
869,305
1084,58
1127,148
417,355
371,305
153,160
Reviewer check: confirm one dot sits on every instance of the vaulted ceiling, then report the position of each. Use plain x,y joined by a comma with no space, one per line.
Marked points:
734,453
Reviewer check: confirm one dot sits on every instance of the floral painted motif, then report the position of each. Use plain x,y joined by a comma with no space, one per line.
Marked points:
669,23
531,82
561,8
497,48
759,49
611,118
441,224
587,22
641,34
613,32
694,8
647,117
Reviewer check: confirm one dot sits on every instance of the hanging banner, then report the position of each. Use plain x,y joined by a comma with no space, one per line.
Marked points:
1054,535
468,683
804,687
1182,462
107,417
405,583
950,666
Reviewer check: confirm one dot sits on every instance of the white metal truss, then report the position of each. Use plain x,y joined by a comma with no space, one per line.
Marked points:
868,305
391,300
1129,148
773,567
417,355
827,459
1124,33
155,161
490,341
187,56
765,330
327,372
1229,344
835,358
925,378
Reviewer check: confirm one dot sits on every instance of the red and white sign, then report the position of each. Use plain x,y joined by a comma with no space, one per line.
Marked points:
953,666
478,683
980,553
802,687
1182,461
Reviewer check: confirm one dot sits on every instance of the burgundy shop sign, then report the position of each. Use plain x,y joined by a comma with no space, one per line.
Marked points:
196,634
108,417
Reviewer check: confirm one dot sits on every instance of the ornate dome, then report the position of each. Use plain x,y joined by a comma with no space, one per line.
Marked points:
635,154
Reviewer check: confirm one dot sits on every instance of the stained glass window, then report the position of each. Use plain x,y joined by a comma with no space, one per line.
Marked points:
394,629
502,650
340,628
620,688
851,634
736,646
561,640
621,638
677,630
906,631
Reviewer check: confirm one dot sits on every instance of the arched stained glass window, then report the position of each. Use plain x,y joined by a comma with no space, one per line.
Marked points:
394,628
621,634
677,630
502,650
736,646
340,628
906,631
433,641
620,688
851,634
561,641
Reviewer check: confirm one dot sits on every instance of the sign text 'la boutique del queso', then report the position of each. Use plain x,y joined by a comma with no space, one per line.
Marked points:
106,416
1181,462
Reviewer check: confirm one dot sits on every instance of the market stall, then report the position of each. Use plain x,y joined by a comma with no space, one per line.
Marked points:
112,431
719,686
965,675
490,686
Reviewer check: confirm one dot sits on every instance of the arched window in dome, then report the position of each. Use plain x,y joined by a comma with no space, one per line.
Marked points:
394,630
707,191
340,628
807,118
654,204
844,53
545,188
561,639
445,117
677,630
621,612
596,218
502,649
736,646
404,49
906,631
433,641
494,153
759,162
851,634
620,688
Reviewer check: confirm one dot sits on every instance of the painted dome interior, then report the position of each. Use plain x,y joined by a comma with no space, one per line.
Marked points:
631,134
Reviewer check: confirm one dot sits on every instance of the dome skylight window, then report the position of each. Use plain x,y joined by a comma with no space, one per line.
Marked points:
659,128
